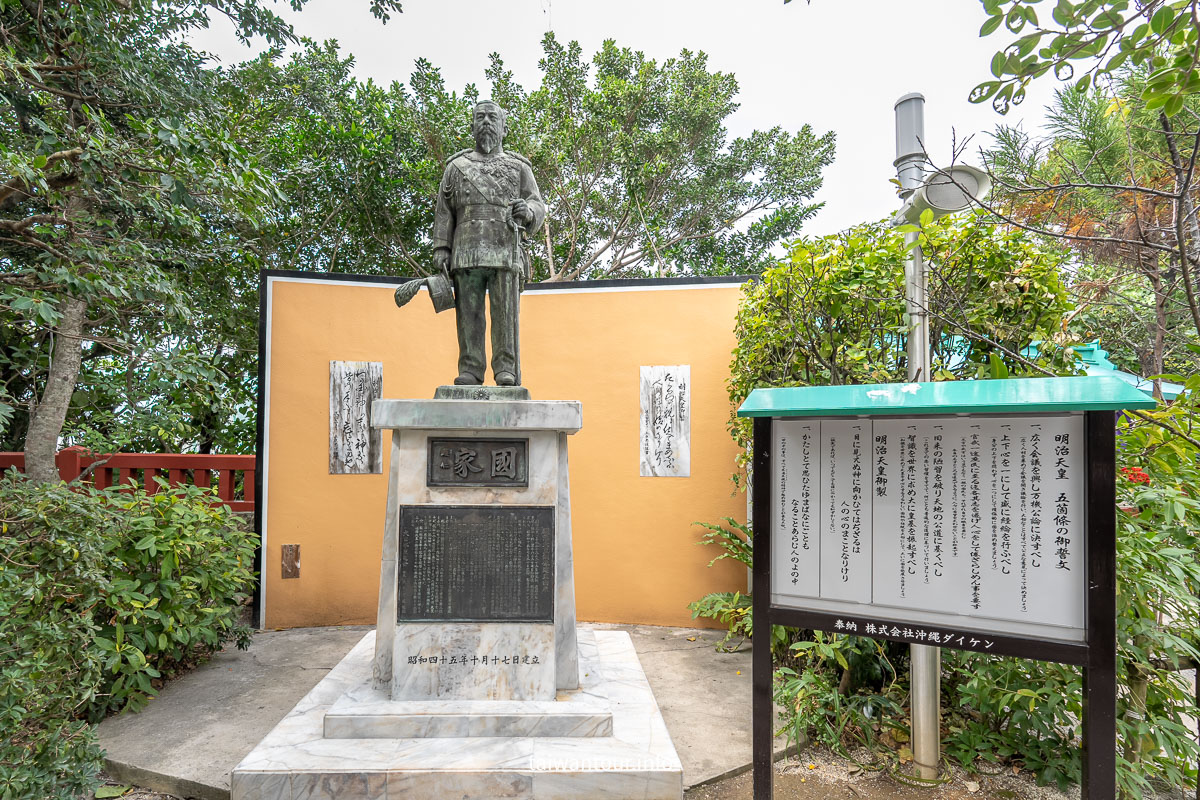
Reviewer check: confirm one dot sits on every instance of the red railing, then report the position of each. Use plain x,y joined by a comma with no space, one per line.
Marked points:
233,476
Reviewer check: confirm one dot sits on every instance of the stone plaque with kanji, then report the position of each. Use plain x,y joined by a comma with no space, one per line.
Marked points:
478,462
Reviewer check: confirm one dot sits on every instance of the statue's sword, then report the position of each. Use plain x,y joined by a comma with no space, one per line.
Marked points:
523,275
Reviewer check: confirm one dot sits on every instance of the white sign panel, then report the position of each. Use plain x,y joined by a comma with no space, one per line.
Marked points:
795,536
845,510
666,422
354,448
964,519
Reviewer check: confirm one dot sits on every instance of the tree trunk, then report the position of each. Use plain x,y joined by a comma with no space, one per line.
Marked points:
1181,209
1157,357
46,421
1135,711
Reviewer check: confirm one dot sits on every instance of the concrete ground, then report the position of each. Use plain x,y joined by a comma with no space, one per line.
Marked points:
186,741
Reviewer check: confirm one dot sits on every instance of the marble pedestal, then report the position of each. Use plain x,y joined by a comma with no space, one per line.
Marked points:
301,760
539,657
505,699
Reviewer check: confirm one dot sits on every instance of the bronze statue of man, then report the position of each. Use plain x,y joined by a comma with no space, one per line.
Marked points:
487,204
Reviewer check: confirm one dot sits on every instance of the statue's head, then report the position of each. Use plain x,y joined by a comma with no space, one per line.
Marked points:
488,125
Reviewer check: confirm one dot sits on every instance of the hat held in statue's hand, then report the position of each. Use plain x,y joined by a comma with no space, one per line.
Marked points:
441,292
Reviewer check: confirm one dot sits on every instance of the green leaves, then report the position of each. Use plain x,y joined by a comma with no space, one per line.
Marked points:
681,196
127,185
833,312
51,662
991,25
1162,19
1103,37
89,624
180,572
1018,709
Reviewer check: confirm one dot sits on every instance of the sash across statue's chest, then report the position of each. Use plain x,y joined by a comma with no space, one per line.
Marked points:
495,181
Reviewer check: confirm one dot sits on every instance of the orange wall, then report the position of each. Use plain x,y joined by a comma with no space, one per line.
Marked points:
636,557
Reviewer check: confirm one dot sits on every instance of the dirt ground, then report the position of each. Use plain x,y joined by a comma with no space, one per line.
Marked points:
819,775
823,778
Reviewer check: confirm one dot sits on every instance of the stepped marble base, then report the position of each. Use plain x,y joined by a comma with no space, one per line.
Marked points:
299,760
368,713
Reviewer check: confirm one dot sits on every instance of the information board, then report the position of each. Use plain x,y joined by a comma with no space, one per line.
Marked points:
972,515
973,522
355,448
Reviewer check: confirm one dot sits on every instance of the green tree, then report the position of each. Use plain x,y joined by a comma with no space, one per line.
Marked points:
640,174
121,177
1161,36
833,312
356,175
632,156
1116,181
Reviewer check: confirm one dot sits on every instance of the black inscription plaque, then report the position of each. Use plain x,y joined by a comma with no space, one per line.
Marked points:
476,564
478,462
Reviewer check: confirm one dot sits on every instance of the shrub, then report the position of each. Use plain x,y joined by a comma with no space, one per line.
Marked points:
1028,711
51,581
181,569
832,312
102,593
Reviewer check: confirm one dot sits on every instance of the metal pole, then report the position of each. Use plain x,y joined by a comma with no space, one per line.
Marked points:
926,667
916,296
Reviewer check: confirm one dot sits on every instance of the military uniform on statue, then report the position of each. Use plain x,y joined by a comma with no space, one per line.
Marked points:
488,202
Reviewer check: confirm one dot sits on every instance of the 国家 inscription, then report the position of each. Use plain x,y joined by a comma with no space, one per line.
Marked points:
478,462
476,564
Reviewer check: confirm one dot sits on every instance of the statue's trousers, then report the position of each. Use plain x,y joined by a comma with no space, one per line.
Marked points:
502,287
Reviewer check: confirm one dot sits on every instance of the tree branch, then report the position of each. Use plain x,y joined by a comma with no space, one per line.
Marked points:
19,184
1182,182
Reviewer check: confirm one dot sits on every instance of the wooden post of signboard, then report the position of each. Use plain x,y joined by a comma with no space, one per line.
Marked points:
760,593
1099,754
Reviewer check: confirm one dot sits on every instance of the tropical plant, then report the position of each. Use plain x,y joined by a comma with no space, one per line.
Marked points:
1116,182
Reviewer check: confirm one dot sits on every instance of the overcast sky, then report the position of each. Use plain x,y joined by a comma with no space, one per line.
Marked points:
836,65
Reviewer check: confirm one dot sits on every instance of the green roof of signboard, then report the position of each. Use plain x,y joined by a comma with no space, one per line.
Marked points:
1012,396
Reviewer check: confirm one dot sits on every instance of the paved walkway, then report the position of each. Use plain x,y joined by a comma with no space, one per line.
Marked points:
186,741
